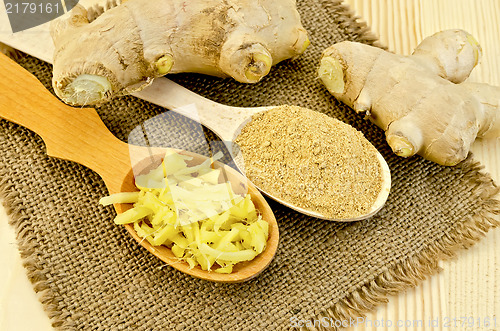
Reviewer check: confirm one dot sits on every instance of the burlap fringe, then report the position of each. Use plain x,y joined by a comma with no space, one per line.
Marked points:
27,245
10,52
419,266
348,21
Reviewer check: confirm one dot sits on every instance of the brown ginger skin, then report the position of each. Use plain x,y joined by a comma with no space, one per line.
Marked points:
127,46
421,101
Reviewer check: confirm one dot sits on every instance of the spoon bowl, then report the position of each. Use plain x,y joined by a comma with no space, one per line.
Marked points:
80,136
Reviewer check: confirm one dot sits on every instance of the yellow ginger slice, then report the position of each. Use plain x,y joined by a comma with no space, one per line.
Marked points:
186,208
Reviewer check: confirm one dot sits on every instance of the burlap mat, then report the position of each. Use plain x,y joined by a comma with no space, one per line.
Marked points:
92,276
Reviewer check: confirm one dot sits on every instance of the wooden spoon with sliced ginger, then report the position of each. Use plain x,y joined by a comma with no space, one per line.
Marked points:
80,136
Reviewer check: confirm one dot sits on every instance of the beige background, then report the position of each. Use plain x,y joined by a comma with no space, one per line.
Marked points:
468,287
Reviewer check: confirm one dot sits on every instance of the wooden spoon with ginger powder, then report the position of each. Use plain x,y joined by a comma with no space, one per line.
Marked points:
315,162
305,160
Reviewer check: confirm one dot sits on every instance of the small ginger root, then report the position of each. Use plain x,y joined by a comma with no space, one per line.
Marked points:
421,101
128,45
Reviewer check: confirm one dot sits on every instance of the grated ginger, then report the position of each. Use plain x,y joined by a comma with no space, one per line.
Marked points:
202,220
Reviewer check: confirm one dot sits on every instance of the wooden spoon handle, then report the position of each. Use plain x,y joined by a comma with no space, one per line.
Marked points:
69,133
223,120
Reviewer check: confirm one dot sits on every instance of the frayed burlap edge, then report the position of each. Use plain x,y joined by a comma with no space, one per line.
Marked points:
418,267
26,243
10,52
349,21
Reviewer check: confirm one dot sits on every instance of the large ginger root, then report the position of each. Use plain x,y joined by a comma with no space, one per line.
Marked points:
130,44
420,101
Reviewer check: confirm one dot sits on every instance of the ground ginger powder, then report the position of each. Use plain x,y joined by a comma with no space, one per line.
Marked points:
312,161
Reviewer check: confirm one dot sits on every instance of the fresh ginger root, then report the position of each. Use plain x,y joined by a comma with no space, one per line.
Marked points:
420,101
127,46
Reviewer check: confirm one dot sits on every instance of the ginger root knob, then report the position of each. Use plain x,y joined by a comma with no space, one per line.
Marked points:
421,101
136,41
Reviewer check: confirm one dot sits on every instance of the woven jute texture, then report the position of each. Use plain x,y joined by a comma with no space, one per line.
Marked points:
91,275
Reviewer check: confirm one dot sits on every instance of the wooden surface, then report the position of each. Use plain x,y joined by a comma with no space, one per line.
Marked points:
468,286
466,294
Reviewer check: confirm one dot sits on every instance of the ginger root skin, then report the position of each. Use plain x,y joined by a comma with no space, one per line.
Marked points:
136,41
421,101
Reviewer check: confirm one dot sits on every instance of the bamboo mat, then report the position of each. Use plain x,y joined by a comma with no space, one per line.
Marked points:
468,289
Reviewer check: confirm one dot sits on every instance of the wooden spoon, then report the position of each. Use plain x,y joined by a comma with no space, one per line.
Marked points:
80,136
227,122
